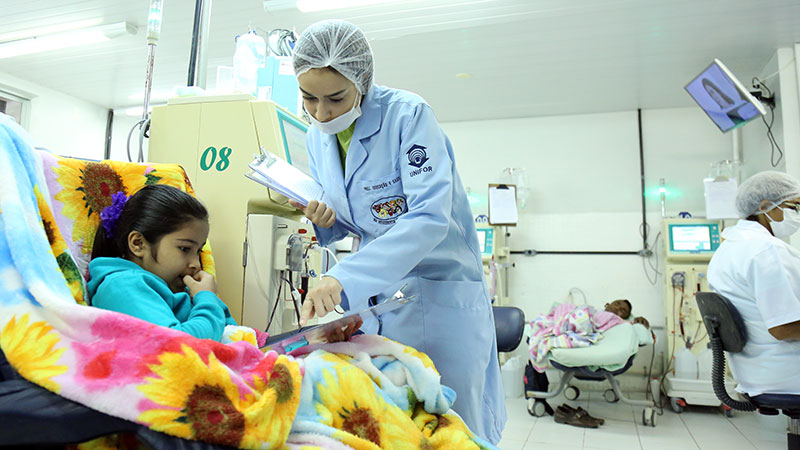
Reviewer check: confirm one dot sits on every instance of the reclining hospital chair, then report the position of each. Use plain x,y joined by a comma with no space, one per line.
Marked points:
580,364
728,333
536,399
33,417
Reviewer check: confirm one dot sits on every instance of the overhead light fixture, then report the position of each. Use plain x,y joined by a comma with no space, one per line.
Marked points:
72,38
49,29
319,5
327,5
272,6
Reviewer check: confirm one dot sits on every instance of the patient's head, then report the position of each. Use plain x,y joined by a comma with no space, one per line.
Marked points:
620,307
160,228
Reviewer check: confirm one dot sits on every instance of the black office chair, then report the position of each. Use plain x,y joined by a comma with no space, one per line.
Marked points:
727,332
509,323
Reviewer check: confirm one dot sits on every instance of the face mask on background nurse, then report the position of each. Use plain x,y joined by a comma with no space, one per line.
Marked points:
784,218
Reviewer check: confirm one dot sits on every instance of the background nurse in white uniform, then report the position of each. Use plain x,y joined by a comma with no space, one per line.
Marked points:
760,274
389,175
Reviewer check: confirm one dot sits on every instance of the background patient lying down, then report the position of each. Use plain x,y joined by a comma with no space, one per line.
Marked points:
623,309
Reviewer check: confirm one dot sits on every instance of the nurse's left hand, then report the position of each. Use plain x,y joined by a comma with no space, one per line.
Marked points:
322,299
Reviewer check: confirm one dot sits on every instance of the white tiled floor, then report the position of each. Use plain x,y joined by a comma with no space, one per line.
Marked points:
697,428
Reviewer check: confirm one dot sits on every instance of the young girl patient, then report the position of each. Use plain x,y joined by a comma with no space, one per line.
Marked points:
146,262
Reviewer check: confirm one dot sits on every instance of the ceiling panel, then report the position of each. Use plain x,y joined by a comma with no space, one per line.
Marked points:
527,58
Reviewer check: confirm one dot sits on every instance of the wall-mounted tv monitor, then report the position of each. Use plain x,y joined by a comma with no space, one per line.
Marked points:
723,97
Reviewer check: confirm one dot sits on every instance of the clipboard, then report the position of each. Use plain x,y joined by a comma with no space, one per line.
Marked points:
350,322
503,204
720,194
285,179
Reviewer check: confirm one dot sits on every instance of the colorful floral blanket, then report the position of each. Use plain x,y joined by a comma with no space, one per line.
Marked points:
566,326
365,394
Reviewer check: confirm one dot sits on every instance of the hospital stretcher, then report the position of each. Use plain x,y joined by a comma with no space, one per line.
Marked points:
611,356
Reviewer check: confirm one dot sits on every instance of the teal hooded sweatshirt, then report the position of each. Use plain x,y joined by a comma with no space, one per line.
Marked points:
120,285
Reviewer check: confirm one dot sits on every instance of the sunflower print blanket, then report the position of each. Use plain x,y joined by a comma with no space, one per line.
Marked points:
369,393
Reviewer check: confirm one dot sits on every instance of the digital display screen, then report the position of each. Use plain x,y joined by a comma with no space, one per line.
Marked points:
722,97
486,240
294,141
691,238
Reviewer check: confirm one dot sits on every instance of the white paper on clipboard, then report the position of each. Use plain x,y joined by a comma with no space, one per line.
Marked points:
287,180
721,198
502,204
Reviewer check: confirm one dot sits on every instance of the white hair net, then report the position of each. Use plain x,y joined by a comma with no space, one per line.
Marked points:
775,187
339,45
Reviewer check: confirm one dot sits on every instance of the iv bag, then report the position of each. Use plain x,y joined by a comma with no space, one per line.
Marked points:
250,55
517,176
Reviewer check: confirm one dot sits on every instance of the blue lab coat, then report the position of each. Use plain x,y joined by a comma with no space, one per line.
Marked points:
401,193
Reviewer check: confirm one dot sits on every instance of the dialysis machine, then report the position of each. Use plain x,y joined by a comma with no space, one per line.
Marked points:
495,256
689,246
262,251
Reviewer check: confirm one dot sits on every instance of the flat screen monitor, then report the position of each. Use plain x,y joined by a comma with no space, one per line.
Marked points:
723,97
693,238
293,133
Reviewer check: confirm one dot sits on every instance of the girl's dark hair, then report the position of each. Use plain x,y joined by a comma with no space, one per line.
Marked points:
154,211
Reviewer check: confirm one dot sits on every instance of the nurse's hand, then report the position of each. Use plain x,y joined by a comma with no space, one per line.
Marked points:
321,299
318,213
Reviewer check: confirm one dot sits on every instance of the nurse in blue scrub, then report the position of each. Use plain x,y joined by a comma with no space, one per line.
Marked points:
389,176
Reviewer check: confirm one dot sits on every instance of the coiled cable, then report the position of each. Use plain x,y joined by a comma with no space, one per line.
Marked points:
281,42
718,377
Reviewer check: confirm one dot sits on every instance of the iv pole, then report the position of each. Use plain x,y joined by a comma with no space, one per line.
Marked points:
153,34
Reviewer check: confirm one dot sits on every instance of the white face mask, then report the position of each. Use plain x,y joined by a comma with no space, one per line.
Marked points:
788,226
338,124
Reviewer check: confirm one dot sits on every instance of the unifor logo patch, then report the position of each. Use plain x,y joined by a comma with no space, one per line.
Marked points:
417,156
387,209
